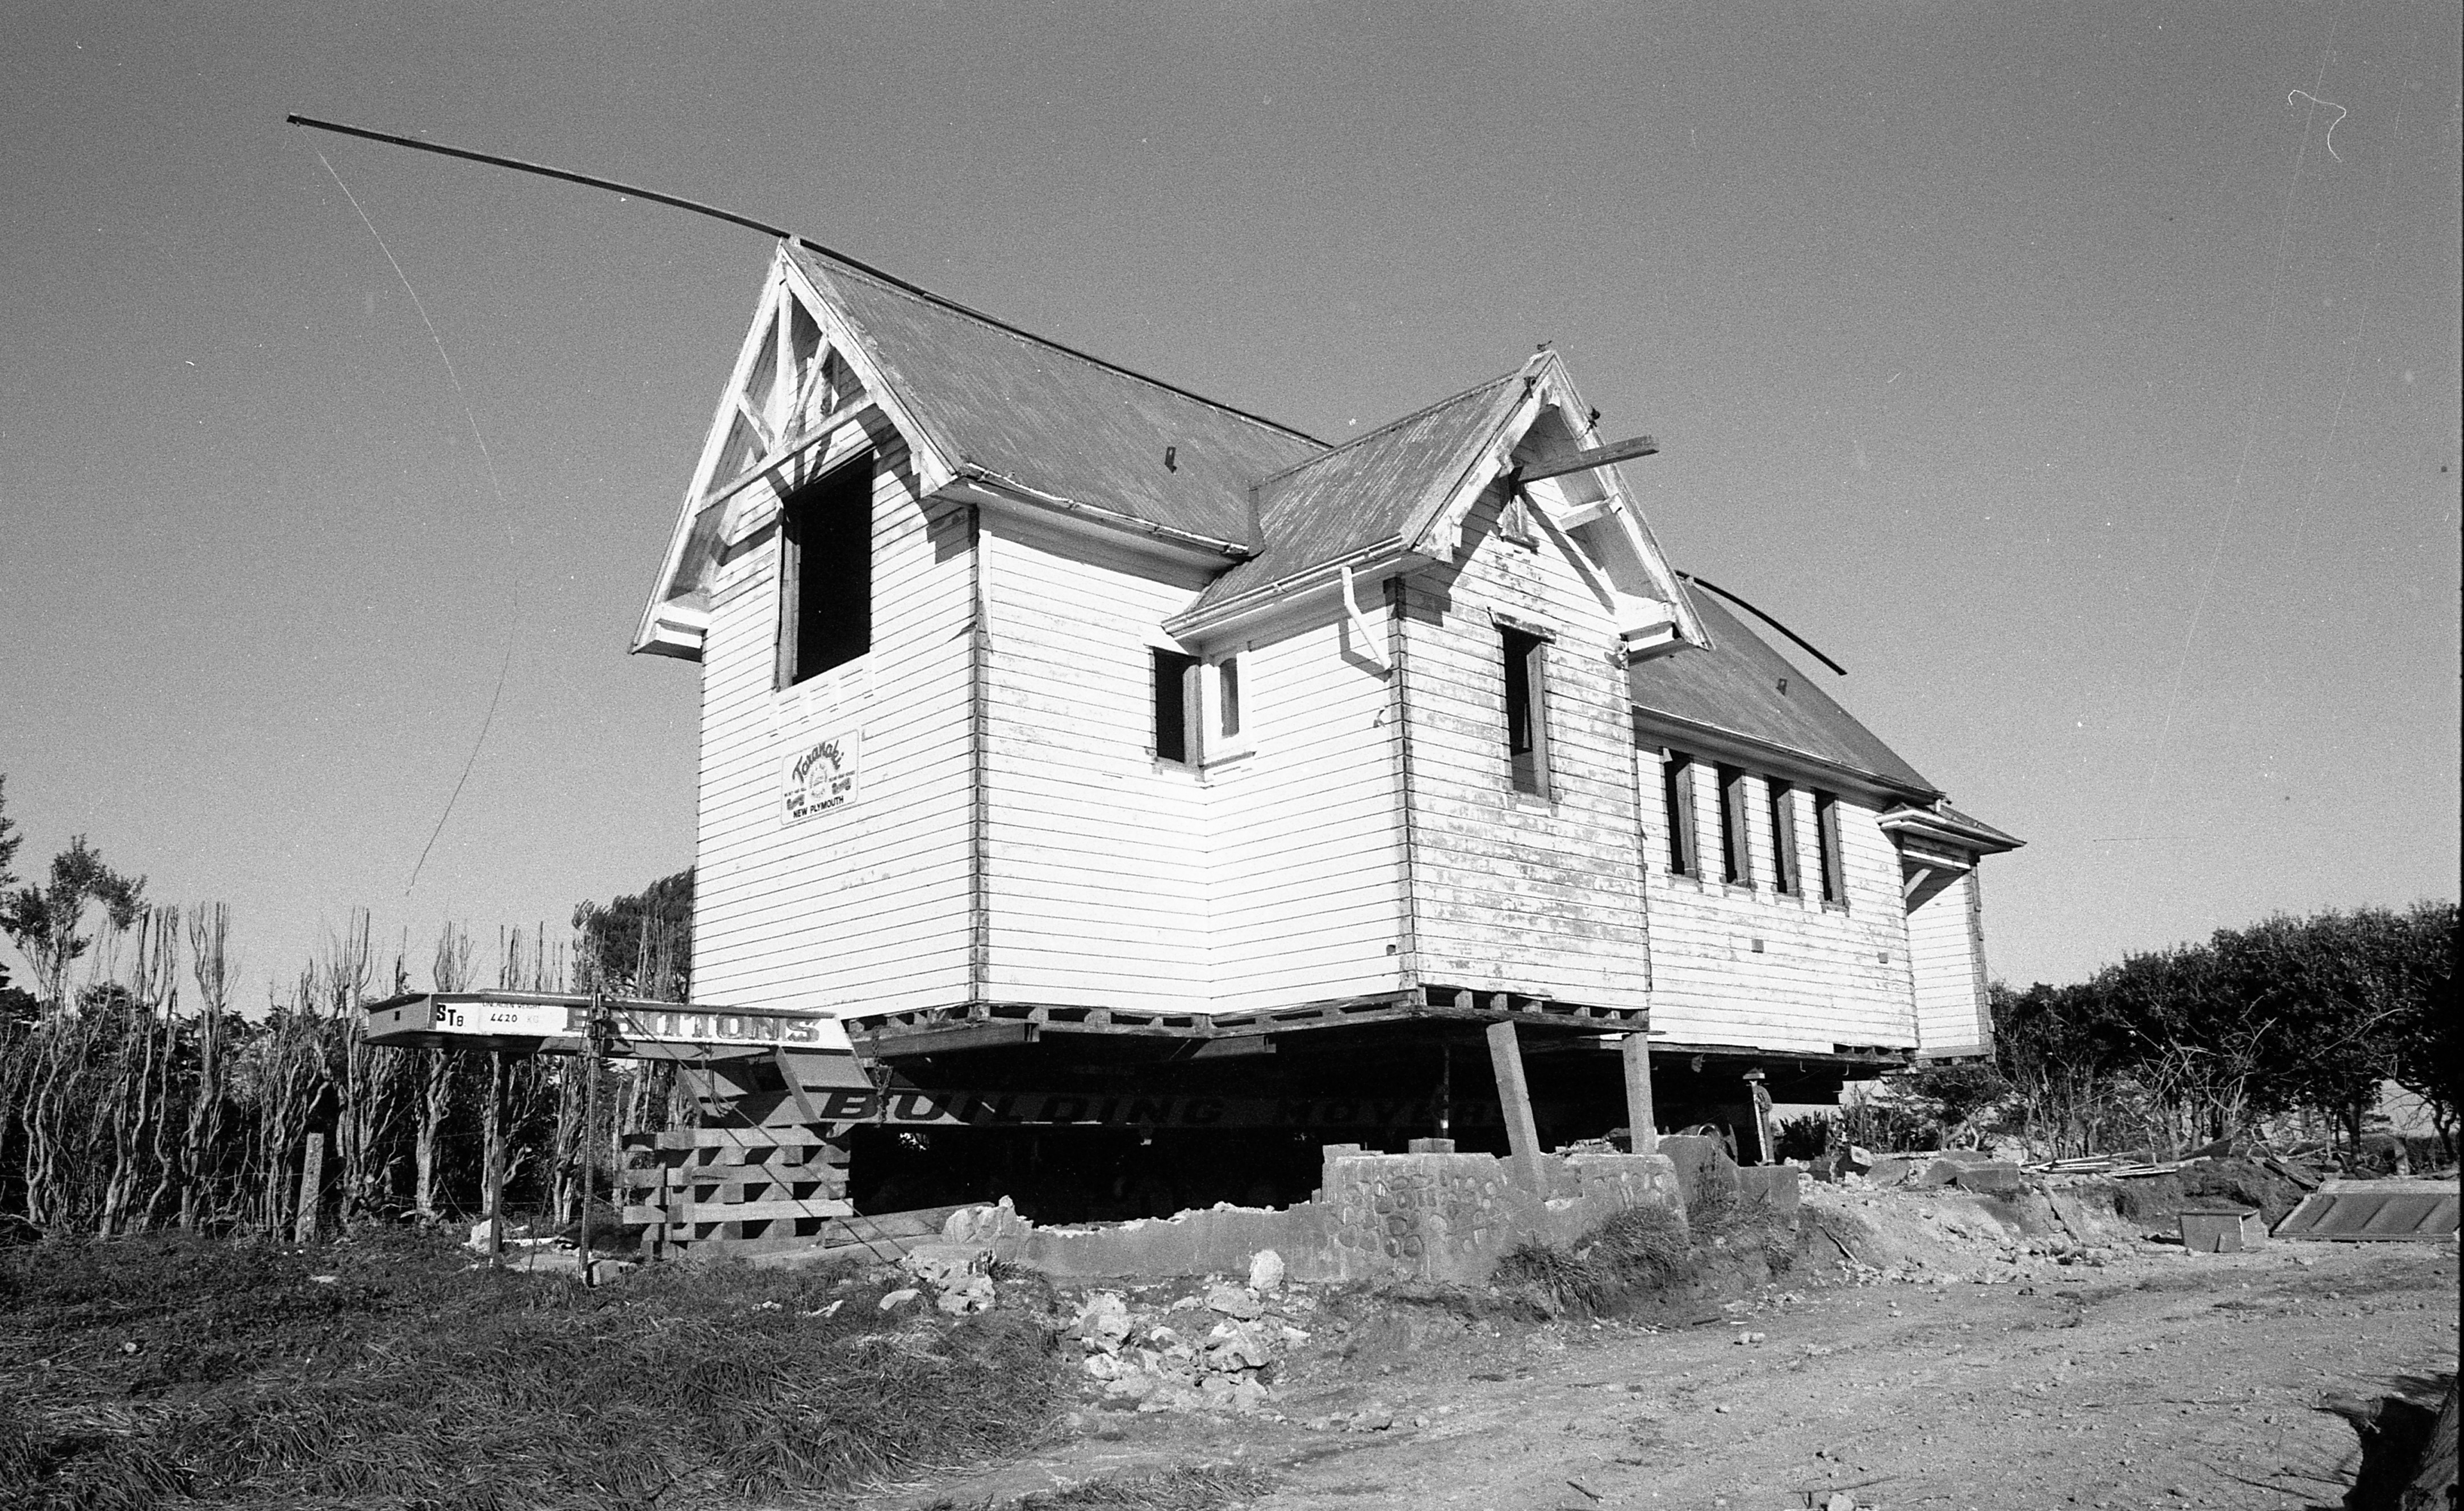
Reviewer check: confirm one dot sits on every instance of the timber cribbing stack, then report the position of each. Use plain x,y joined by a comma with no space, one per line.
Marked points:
733,1190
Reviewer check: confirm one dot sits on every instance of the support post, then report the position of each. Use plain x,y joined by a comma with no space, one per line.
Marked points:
1514,1100
1642,1131
495,1174
584,1146
312,1183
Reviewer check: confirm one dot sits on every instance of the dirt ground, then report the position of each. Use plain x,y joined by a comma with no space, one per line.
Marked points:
1968,1374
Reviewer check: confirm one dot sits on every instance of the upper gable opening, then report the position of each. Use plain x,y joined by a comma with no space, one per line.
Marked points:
793,377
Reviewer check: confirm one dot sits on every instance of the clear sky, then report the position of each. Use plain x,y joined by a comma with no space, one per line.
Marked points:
2053,368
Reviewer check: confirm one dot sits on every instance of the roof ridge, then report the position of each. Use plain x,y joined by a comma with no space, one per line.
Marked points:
1339,448
918,291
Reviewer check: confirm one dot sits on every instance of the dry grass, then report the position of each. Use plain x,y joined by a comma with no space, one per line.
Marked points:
387,1374
1183,1487
1642,1254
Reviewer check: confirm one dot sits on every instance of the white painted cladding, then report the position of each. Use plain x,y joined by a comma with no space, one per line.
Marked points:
1946,944
865,906
1097,866
1824,974
1513,892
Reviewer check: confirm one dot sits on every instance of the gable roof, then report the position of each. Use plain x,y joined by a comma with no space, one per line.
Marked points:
1734,687
1056,421
1369,489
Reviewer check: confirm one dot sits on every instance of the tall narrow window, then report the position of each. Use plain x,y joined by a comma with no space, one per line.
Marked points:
1527,710
1736,860
825,574
1175,676
1826,837
1783,822
1677,797
1227,696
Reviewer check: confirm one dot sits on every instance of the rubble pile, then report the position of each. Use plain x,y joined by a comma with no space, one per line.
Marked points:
1214,1351
957,1276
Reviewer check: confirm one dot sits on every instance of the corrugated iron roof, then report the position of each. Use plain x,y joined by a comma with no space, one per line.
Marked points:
2368,1211
1058,421
1364,491
1735,688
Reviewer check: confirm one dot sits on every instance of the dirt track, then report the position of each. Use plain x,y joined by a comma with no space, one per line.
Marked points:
2162,1379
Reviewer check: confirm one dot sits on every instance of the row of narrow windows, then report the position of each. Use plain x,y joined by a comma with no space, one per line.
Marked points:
1734,858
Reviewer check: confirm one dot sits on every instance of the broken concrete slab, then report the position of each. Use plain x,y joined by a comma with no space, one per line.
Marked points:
1377,1216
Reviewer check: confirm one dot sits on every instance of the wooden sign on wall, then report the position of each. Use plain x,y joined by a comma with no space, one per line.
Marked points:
820,776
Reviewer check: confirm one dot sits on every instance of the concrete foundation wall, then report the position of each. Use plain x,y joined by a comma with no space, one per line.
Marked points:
1377,1216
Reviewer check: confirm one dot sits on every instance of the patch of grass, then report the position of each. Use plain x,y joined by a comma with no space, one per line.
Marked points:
385,1372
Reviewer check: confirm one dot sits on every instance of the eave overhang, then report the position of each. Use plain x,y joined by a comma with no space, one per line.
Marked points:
1293,593
981,485
1713,739
1939,831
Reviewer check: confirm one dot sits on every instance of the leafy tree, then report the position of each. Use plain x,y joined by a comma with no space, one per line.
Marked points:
640,945
1955,1095
48,922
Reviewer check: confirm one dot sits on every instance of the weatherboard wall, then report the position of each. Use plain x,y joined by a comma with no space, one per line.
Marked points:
1304,827
863,907
1743,963
1946,950
1513,892
1096,874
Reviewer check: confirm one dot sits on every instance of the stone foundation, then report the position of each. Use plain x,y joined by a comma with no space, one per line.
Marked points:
1421,1217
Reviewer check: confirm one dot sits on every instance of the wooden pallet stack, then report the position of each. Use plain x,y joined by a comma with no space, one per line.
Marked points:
733,1190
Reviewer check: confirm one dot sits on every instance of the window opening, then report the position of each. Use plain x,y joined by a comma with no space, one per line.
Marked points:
1227,676
1175,675
1676,797
1736,861
1826,839
1527,710
1783,822
825,574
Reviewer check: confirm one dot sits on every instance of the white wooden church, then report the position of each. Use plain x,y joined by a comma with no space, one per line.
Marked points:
1045,702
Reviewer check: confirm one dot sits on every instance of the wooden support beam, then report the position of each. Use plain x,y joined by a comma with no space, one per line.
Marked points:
1514,1100
1644,1134
1585,461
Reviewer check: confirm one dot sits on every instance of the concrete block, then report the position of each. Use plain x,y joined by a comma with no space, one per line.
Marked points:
1778,1185
1700,1160
1892,1170
1992,1177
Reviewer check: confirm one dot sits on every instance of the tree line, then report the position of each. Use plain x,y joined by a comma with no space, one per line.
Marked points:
136,1093
2290,1019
